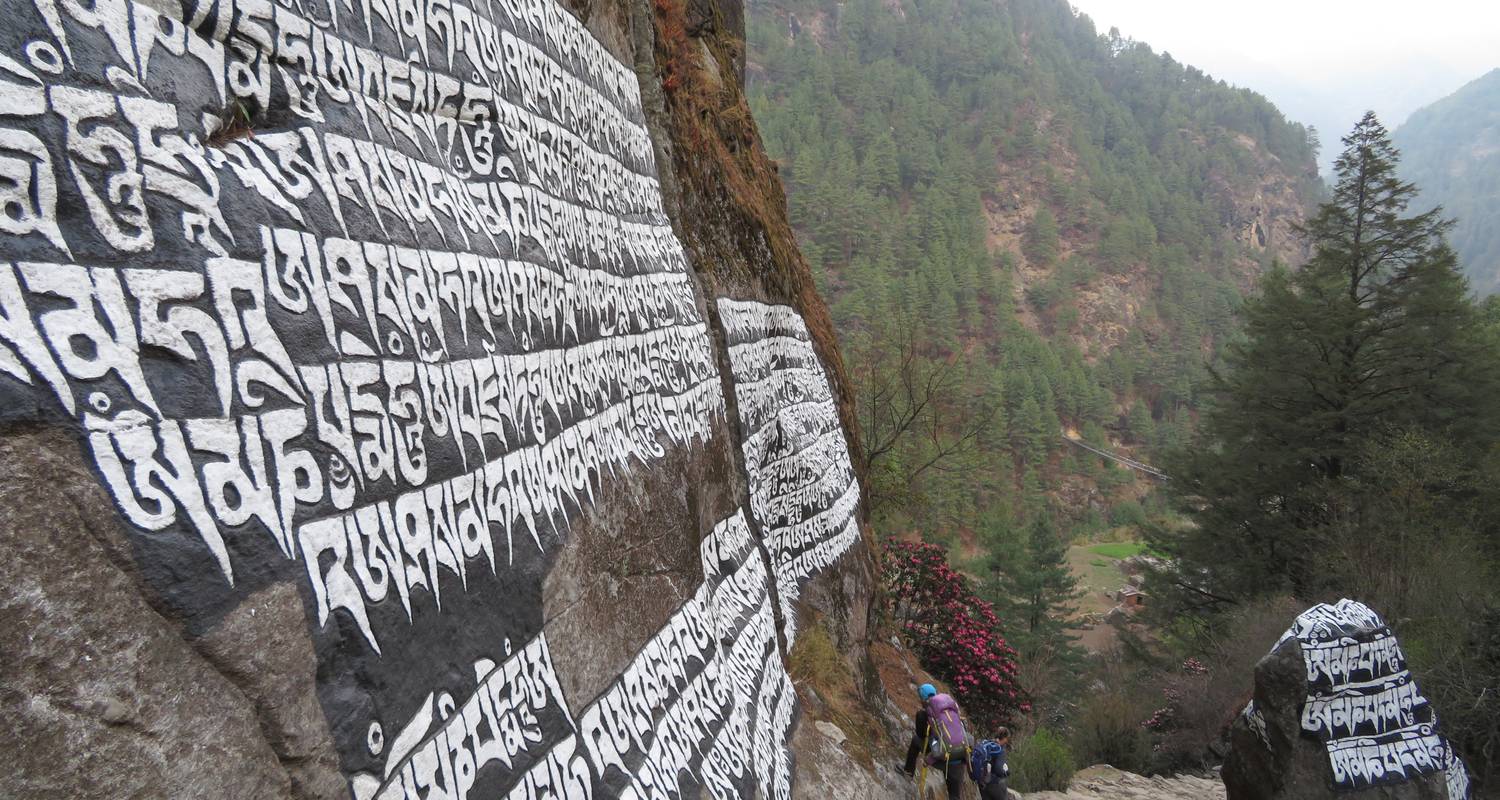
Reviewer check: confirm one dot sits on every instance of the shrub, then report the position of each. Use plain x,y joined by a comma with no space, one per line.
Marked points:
1199,695
1107,730
1041,763
1043,296
1065,318
815,659
816,666
954,633
1128,512
1091,522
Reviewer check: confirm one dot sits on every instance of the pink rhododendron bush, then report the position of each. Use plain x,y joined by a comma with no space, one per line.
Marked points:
954,633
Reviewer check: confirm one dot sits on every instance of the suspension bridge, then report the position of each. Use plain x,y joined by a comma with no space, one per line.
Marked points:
1147,469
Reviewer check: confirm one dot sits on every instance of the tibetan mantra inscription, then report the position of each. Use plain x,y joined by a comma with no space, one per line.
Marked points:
707,700
1364,705
389,345
802,487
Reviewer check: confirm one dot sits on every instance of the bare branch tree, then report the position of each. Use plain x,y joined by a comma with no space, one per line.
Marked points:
916,415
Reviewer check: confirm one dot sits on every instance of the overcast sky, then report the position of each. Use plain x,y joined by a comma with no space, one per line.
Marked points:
1322,62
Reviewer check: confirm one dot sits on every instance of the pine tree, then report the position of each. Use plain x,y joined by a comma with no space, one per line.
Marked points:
881,172
1037,591
1142,427
1374,333
1041,238
1028,430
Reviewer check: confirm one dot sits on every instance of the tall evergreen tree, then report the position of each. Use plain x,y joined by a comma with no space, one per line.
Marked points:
1037,591
1029,432
880,169
1041,238
1375,332
1142,427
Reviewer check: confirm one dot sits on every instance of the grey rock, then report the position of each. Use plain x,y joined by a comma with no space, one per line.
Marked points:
114,712
102,696
263,649
296,650
826,770
832,731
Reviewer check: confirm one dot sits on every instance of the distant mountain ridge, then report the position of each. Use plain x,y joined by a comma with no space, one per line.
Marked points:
1451,150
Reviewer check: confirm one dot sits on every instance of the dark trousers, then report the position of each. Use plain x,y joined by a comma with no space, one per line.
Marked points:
953,778
994,790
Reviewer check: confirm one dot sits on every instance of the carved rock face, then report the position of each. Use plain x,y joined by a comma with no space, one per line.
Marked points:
368,430
1336,713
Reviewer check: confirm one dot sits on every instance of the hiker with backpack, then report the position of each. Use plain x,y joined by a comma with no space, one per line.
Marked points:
988,768
939,737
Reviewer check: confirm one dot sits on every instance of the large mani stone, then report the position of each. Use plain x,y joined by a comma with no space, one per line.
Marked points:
1272,758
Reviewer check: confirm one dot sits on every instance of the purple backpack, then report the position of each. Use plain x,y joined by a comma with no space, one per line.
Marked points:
946,740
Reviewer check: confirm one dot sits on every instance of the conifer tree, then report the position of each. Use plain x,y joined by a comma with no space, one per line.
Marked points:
1038,592
1375,332
881,172
1028,432
1041,238
1142,427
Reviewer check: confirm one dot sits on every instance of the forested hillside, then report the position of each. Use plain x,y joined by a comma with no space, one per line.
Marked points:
1023,226
1451,150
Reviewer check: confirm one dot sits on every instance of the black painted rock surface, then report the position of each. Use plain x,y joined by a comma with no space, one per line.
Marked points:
405,399
1336,713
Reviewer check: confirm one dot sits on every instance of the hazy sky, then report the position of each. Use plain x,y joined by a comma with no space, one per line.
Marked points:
1322,62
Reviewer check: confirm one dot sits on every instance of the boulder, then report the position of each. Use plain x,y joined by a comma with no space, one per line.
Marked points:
1336,712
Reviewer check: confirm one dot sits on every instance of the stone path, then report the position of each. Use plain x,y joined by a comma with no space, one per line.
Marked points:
1102,781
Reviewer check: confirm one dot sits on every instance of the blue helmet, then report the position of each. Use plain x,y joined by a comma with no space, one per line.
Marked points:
926,691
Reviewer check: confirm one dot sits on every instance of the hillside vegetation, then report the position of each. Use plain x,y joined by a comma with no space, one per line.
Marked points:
1022,226
1451,150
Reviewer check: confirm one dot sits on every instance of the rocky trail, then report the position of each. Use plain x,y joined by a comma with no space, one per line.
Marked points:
1099,782
1103,781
